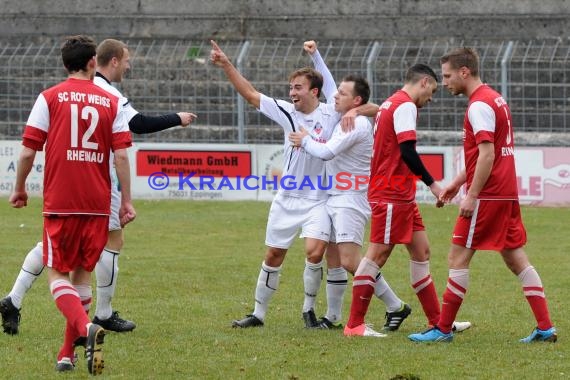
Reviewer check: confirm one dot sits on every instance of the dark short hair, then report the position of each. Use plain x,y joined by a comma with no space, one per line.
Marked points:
76,52
315,78
108,49
361,86
462,57
418,71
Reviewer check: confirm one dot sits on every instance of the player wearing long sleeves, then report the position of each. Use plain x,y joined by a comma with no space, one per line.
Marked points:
113,61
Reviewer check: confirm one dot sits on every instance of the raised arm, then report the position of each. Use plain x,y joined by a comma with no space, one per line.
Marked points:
242,85
329,85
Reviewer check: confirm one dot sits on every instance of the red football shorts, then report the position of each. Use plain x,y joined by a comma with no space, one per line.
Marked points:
495,225
73,241
394,223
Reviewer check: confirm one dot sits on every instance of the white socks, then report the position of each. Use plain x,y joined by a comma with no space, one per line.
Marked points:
312,278
106,271
383,291
31,269
267,284
337,282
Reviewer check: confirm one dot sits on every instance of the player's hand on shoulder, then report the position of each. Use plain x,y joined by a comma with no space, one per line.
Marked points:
186,118
18,199
348,121
310,47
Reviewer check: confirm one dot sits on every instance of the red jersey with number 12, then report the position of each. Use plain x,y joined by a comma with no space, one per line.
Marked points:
488,119
79,123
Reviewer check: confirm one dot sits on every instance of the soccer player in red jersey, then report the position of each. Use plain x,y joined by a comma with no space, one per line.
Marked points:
395,168
489,214
79,124
113,61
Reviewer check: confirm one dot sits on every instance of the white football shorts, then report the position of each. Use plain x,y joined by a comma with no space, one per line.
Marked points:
289,214
114,222
349,214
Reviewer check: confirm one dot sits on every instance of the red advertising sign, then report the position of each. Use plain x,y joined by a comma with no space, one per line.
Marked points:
434,163
202,163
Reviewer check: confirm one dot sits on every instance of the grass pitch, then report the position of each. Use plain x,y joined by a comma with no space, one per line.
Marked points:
189,268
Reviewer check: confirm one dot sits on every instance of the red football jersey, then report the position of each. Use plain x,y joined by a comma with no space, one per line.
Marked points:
488,118
79,123
390,177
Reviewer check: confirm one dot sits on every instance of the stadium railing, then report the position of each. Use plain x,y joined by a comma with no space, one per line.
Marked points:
175,75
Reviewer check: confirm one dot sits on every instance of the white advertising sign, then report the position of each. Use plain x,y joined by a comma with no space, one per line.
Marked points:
9,154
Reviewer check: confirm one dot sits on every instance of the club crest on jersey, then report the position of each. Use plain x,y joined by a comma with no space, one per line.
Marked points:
318,128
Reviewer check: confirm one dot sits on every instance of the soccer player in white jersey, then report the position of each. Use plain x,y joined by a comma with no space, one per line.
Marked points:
113,61
302,207
347,156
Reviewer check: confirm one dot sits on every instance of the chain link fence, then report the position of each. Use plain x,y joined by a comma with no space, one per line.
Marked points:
171,76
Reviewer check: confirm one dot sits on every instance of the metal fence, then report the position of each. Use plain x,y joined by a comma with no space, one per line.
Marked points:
169,76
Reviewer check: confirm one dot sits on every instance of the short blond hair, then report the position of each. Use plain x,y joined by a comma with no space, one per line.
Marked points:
108,49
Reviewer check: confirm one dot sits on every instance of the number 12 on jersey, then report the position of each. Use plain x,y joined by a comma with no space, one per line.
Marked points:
86,113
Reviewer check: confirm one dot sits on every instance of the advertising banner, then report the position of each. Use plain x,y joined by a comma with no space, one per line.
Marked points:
9,153
543,175
250,172
193,171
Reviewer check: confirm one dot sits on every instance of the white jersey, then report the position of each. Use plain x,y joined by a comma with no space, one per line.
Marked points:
100,81
329,85
299,166
130,112
348,157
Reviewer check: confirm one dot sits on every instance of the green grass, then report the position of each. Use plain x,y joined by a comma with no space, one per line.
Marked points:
189,268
